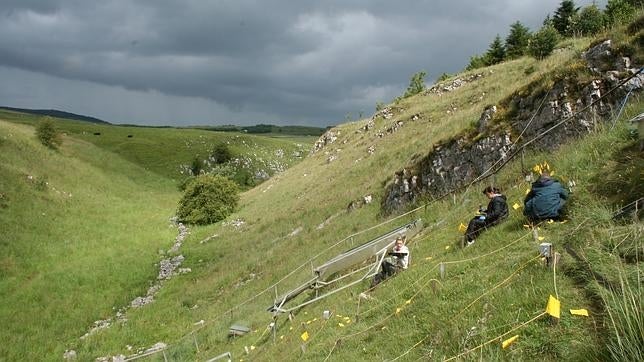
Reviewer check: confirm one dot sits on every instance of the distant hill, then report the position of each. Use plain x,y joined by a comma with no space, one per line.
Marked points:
268,128
56,113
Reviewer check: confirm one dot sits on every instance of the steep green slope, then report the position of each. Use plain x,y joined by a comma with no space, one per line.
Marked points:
81,231
489,292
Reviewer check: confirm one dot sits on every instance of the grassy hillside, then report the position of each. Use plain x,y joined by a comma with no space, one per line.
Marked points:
169,151
81,231
489,292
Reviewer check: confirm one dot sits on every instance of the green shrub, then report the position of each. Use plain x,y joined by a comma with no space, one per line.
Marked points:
416,84
543,42
208,199
183,184
48,134
221,153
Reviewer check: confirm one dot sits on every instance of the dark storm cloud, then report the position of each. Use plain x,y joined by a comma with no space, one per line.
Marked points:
287,61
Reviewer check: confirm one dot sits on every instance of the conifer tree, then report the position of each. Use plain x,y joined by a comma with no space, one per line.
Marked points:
496,53
477,61
563,15
416,84
516,44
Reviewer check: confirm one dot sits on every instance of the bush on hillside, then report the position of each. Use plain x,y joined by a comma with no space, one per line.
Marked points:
416,84
543,42
221,153
208,199
47,133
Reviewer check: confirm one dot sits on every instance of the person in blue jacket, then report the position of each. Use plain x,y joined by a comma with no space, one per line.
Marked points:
545,200
497,210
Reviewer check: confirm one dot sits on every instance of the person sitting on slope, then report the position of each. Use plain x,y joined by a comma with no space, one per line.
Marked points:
397,260
545,200
496,211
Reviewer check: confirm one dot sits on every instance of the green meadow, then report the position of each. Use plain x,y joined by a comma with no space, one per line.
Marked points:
84,228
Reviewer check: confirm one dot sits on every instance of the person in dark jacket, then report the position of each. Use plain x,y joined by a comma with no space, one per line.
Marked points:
496,211
545,200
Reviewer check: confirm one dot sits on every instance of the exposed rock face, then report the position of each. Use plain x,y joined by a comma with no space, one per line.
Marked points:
327,138
574,109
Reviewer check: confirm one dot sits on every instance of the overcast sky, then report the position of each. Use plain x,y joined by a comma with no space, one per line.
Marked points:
208,62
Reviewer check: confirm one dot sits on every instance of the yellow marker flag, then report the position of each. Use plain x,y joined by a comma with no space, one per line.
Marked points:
398,311
462,228
341,325
541,238
509,341
428,258
583,312
554,307
252,348
305,336
526,226
516,206
408,301
282,337
550,221
527,191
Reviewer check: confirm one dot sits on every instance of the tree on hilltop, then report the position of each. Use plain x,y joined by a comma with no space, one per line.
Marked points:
516,44
563,15
589,21
543,42
496,52
416,84
619,12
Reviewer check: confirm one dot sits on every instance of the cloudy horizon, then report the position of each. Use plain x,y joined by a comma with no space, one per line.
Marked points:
239,62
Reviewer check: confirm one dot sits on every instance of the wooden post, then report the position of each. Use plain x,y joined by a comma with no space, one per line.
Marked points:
434,284
441,268
273,326
358,309
556,259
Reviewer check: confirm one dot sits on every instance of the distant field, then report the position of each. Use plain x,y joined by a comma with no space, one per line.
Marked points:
166,151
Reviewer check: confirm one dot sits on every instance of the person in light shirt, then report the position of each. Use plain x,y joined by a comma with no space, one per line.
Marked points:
397,260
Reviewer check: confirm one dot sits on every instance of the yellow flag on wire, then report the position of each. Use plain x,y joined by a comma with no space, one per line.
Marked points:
583,312
305,336
462,228
554,307
516,206
509,341
541,238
